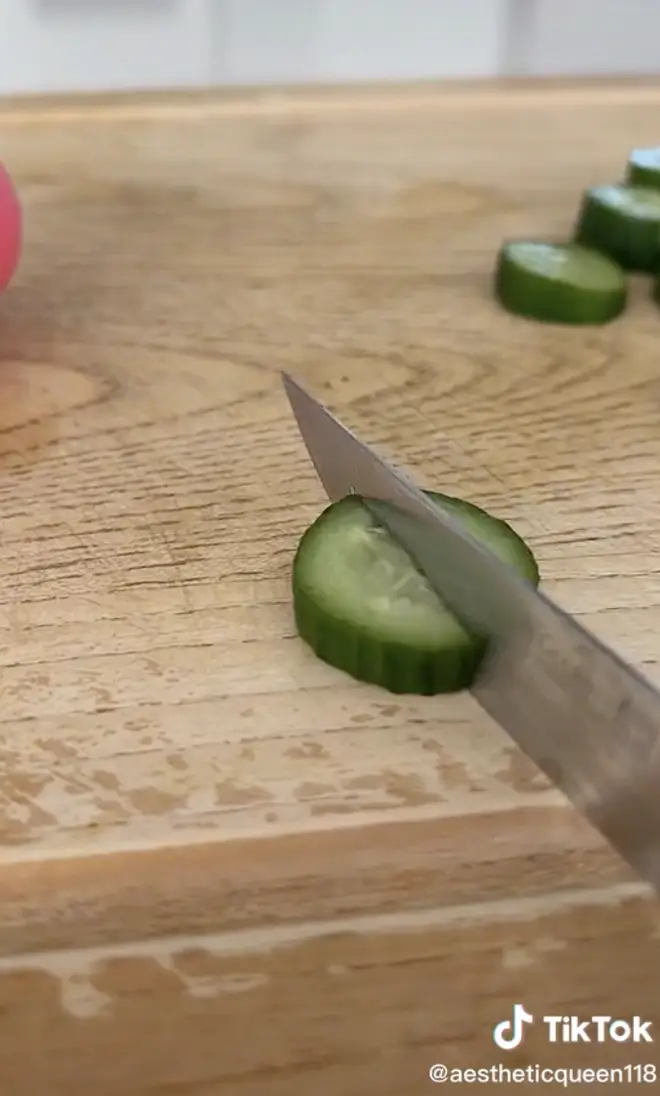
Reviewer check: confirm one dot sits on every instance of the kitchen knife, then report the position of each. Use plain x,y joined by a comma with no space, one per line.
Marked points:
585,717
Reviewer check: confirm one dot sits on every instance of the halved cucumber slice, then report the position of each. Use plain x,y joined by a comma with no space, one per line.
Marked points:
644,168
622,222
363,607
559,283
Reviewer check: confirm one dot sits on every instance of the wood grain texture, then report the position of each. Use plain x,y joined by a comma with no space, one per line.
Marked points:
361,1006
173,761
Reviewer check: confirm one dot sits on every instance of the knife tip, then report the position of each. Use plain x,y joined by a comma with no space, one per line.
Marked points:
287,380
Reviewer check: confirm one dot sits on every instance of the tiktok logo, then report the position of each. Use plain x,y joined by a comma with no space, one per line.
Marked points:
509,1033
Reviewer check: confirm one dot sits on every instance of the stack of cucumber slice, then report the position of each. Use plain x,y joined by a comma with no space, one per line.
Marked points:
583,281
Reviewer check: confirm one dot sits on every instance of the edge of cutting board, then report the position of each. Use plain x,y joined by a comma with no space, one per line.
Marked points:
354,870
309,98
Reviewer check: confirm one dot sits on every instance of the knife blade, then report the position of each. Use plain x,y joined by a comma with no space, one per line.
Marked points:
584,716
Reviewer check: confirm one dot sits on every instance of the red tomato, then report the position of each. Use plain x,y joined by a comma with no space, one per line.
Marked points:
10,229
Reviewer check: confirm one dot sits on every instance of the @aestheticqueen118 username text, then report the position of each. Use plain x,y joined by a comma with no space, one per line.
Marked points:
565,1077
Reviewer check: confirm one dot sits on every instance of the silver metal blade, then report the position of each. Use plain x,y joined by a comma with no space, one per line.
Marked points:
586,718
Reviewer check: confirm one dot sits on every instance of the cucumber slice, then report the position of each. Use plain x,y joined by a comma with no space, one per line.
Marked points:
644,168
363,607
559,283
624,223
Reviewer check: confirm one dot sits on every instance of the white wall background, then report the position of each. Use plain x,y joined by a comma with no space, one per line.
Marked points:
72,45
592,36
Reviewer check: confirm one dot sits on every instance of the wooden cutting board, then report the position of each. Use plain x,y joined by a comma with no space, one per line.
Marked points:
225,866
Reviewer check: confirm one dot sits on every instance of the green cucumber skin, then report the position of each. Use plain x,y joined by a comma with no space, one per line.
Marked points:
338,644
643,174
398,668
632,242
637,175
527,294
